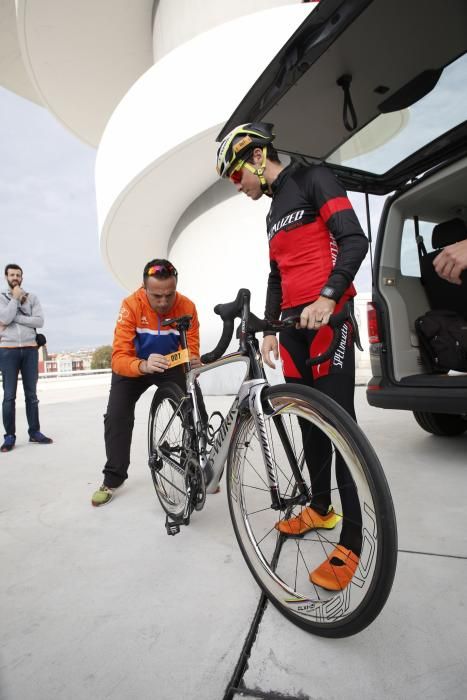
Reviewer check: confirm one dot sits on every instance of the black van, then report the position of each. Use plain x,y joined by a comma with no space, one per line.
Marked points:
378,91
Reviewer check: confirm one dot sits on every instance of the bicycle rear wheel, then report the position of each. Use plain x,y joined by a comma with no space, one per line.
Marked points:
282,564
168,447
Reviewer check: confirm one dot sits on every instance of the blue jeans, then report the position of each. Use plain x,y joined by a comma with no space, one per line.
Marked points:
12,362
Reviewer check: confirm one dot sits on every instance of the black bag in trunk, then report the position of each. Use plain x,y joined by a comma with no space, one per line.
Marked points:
443,340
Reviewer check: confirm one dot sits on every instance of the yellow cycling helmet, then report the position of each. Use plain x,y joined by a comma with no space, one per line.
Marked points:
238,145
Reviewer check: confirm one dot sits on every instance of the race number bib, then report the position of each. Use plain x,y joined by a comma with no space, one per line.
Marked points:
177,358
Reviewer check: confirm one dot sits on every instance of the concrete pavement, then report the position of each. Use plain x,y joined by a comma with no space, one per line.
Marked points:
100,603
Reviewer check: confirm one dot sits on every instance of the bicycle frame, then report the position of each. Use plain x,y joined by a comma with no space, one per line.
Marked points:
212,461
249,397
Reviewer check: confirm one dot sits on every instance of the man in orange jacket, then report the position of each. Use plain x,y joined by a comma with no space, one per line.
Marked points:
139,361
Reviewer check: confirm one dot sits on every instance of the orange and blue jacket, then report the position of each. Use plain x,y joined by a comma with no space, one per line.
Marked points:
138,332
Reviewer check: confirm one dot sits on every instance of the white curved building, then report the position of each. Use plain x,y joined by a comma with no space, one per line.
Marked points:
150,84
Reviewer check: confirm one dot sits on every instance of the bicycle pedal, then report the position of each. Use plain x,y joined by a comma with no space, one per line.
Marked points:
171,526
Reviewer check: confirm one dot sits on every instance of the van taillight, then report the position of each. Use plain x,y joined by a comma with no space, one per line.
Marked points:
373,330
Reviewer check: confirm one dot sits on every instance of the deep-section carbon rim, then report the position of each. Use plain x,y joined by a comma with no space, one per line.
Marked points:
281,565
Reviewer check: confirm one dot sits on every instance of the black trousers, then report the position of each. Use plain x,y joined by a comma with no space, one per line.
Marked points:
120,418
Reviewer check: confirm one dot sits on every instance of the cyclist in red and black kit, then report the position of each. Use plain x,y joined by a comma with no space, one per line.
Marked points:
316,246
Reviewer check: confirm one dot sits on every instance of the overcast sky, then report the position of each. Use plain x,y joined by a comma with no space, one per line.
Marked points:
48,226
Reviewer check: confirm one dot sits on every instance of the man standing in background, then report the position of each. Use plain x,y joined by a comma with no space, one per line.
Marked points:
20,315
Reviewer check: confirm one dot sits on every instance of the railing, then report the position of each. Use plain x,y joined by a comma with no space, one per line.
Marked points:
73,373
69,374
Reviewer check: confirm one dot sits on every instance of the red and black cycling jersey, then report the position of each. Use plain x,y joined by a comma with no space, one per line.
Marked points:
315,238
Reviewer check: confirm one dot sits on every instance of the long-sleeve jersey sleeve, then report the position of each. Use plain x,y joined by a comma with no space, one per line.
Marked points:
339,216
124,358
273,293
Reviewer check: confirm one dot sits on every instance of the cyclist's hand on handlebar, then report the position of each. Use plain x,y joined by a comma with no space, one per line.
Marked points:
269,345
317,314
154,364
195,361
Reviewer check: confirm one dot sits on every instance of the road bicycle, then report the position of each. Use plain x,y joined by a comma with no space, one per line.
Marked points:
261,439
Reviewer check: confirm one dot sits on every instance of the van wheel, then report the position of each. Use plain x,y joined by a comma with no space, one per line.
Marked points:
448,424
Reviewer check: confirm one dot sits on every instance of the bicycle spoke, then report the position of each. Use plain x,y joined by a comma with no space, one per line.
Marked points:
257,488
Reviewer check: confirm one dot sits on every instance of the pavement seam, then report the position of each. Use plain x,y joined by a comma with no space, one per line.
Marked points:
235,682
269,695
432,554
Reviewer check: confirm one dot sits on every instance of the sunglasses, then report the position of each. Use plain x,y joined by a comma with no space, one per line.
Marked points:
164,269
237,173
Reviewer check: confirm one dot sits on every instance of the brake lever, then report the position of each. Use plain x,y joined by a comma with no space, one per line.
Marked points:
354,323
289,322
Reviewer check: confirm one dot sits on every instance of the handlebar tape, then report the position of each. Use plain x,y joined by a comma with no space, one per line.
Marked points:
233,309
228,313
221,346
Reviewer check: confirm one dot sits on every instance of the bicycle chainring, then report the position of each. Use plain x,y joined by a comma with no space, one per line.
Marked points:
195,483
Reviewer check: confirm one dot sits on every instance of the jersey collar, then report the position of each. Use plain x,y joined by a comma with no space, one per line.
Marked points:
283,175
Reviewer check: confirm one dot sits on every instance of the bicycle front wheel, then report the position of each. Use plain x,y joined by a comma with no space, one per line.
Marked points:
282,564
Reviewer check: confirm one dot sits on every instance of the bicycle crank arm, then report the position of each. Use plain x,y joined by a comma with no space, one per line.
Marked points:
187,509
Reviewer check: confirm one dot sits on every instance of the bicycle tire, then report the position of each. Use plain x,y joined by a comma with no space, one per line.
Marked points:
168,475
280,564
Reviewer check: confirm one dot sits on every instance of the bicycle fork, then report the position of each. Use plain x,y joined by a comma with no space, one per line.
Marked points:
258,412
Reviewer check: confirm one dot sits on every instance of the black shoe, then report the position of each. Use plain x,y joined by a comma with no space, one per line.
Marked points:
40,438
8,444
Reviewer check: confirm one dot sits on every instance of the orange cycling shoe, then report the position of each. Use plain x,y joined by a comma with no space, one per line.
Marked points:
334,576
309,519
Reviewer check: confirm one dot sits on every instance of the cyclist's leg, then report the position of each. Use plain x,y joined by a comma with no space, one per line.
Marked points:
340,389
294,350
336,379
118,425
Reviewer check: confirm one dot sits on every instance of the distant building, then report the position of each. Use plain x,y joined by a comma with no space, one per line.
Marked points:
43,356
65,363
